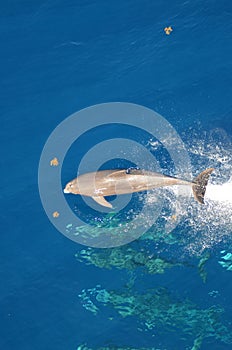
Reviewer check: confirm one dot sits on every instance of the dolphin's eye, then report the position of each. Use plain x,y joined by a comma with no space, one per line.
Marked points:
71,185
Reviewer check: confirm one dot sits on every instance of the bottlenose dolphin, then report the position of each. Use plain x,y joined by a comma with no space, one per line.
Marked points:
113,182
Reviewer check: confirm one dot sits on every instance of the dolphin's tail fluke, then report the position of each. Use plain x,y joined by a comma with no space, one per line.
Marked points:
199,185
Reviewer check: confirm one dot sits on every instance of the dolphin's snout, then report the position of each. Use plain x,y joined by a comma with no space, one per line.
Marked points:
66,191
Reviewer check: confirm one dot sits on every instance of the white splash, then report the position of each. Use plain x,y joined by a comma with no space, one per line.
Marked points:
198,227
211,223
220,193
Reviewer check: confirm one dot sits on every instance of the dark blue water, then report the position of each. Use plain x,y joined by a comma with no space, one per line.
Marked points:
58,57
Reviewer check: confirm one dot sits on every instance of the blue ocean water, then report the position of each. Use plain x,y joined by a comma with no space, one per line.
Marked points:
58,57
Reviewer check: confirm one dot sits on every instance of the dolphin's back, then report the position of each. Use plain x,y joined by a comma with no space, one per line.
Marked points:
113,182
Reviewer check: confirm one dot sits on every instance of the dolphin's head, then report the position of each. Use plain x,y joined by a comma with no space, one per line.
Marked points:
71,187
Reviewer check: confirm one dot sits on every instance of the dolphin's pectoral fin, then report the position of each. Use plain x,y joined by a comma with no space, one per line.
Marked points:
102,201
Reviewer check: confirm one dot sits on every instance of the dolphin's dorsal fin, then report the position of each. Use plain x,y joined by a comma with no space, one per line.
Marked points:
102,201
135,171
116,173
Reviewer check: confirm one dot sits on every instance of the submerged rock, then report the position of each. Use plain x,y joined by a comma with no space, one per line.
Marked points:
160,310
124,258
201,266
84,347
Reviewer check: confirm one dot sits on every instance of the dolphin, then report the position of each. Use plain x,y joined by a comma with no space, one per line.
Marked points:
121,181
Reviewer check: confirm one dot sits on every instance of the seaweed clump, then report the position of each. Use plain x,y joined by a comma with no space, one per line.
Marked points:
159,309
